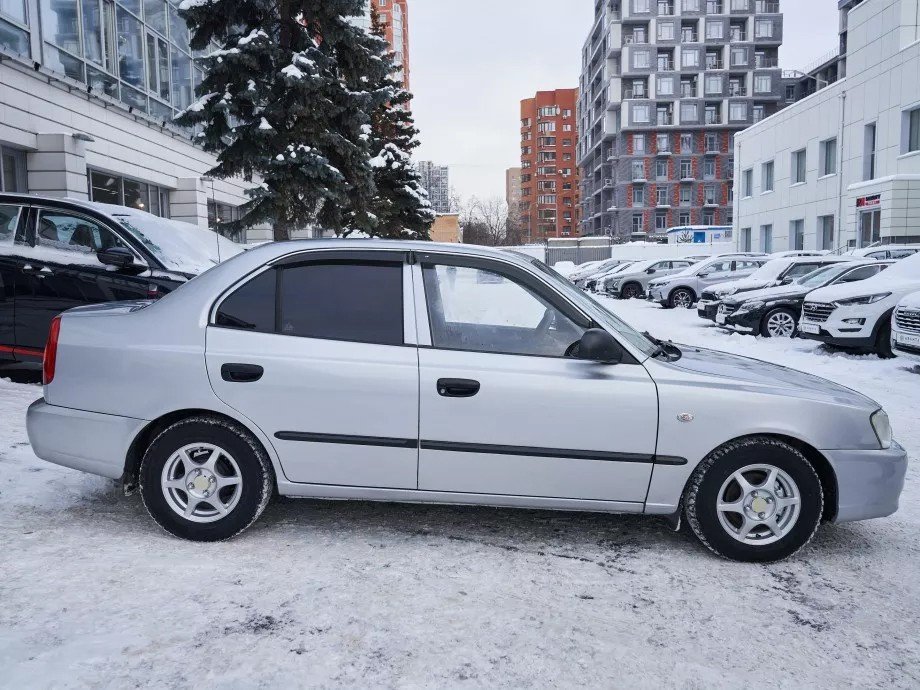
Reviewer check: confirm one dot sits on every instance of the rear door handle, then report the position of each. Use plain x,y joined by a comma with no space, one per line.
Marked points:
457,388
241,373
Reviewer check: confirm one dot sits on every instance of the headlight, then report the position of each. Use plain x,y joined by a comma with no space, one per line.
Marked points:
882,428
752,306
868,299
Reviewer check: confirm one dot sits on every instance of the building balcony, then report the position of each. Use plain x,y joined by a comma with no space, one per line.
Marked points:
766,63
766,7
715,64
737,91
738,37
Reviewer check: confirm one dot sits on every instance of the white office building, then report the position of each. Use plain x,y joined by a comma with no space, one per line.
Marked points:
88,89
841,167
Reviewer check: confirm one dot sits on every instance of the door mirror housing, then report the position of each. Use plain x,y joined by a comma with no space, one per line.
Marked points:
650,271
787,281
597,345
119,257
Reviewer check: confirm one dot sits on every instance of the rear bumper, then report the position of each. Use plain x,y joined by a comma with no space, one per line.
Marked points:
86,441
869,482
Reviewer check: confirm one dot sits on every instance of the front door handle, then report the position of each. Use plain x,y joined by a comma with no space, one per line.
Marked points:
241,373
457,388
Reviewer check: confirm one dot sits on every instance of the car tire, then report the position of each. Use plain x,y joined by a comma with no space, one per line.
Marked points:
790,508
205,479
631,291
883,341
682,298
779,323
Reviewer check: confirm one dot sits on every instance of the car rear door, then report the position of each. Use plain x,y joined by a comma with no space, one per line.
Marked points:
11,221
503,411
318,350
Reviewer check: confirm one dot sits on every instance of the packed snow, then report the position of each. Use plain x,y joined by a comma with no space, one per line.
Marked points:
360,594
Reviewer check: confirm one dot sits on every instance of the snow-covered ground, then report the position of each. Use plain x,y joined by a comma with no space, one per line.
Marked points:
92,593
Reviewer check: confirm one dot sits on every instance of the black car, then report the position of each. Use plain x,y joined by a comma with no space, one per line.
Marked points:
57,254
774,312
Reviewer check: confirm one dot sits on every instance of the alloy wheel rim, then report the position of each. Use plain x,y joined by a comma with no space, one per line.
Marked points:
202,482
682,299
759,505
781,325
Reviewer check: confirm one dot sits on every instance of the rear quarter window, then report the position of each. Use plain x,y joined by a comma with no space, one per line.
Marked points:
251,307
9,219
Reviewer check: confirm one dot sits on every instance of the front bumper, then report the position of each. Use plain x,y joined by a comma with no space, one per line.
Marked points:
843,340
657,294
904,350
707,309
869,482
746,321
86,441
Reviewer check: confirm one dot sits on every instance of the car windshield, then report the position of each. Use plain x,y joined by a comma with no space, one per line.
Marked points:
823,276
611,321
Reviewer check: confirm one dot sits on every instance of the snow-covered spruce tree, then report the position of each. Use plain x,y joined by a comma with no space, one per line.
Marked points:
400,207
288,97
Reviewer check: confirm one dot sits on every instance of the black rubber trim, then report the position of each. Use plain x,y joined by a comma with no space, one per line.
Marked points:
480,448
340,439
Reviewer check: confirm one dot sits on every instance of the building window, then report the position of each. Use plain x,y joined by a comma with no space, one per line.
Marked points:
763,28
637,223
14,27
912,126
740,5
683,218
747,183
686,169
665,86
661,197
709,217
638,170
548,111
689,113
661,222
223,213
123,191
665,31
715,30
661,170
712,143
664,143
798,166
738,112
766,239
709,169
686,143
690,58
763,83
869,155
826,232
641,59
758,113
797,235
13,176
745,239
829,157
713,85
686,195
641,113
639,143
709,195
739,57
790,93
767,173
638,196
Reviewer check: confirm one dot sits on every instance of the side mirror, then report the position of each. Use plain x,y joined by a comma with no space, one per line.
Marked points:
651,271
787,281
116,256
598,345
704,275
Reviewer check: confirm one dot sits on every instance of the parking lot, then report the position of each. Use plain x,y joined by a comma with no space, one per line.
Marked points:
352,594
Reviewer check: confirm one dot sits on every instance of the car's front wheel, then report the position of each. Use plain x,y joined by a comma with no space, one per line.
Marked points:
757,500
631,291
779,323
682,298
205,479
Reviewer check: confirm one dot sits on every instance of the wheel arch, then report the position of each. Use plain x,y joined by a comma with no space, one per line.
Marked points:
145,437
682,287
631,282
821,465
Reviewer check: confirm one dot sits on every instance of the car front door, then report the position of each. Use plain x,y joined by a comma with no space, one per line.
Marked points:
319,352
10,265
718,272
61,270
504,411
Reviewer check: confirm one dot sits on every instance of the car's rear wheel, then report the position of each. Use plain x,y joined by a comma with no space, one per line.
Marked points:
631,291
682,298
205,479
779,323
756,500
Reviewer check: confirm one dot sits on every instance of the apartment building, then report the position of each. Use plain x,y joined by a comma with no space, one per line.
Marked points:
436,180
394,17
665,86
513,190
549,203
841,168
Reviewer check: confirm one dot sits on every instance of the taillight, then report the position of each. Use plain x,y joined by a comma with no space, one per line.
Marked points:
50,359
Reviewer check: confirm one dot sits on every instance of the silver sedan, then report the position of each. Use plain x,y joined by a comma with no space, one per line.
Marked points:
410,372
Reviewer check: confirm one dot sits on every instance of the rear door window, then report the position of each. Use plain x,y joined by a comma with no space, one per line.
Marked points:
355,301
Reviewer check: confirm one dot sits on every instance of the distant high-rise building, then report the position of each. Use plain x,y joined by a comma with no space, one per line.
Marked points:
394,16
513,191
665,85
436,179
549,201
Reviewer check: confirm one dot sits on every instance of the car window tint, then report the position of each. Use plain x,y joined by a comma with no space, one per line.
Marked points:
860,274
251,307
798,270
902,253
344,300
718,267
483,311
878,255
63,232
9,218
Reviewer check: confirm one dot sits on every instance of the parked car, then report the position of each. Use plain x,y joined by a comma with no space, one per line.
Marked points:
587,282
774,272
905,328
858,315
584,270
774,312
214,397
56,254
605,280
798,252
683,289
634,282
885,251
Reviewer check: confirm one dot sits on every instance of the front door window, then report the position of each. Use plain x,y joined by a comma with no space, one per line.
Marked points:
483,311
74,239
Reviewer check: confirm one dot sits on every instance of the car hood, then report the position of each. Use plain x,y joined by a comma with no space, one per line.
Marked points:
873,286
779,292
912,301
743,372
740,285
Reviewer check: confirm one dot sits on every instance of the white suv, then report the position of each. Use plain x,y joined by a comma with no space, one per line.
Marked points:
858,315
905,328
684,289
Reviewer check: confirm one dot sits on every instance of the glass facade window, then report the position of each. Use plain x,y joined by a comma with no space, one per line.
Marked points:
122,191
14,34
13,170
135,51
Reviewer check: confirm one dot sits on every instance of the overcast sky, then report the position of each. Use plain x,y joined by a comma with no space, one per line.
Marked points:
473,61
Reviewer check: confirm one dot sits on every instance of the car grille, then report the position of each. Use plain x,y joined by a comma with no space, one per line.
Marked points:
908,320
709,296
728,309
815,311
